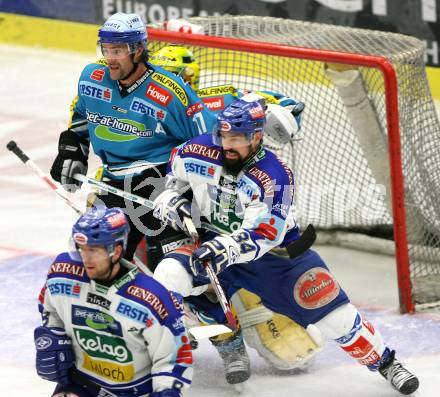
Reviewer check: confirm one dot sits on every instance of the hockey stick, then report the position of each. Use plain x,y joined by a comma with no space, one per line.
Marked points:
130,196
305,241
79,379
201,332
294,249
13,147
215,282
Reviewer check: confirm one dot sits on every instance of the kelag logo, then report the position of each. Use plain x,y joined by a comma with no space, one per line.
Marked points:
101,346
95,91
87,317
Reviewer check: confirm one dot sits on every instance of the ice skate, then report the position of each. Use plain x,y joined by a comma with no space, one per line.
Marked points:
235,358
399,377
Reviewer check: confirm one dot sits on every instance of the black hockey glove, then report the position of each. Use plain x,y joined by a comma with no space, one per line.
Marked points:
73,152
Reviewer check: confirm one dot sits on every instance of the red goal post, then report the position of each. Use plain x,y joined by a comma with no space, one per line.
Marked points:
235,47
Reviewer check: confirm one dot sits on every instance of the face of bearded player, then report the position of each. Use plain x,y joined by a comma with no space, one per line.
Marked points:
237,149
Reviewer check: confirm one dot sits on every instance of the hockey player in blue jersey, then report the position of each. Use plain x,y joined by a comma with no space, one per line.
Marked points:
109,330
133,113
246,194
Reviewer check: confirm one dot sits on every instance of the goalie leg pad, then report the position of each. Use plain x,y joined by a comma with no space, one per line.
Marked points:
355,335
277,338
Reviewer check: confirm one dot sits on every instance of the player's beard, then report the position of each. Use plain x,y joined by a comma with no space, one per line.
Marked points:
235,165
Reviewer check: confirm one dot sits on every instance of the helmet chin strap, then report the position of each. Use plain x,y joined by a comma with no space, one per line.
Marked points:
134,68
112,264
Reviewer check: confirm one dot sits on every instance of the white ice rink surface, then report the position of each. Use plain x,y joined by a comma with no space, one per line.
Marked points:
35,93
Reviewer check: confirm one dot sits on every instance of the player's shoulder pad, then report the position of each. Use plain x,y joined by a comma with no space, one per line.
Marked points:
201,147
217,90
270,172
172,83
95,72
64,266
149,293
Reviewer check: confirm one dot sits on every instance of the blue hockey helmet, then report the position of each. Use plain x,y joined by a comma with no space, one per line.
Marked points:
243,116
122,28
101,226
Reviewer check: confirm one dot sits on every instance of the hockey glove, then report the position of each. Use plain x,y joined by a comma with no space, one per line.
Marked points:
166,393
54,354
171,208
220,252
73,152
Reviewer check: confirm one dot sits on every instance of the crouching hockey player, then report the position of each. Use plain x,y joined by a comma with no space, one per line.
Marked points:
279,340
109,330
246,193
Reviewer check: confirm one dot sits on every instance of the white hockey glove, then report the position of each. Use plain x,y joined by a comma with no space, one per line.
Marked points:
170,207
220,252
283,122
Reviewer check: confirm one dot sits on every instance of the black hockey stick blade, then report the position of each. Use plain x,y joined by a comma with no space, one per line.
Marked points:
305,241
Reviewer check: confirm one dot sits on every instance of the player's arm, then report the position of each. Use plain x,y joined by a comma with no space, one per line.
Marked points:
171,206
266,221
73,147
171,354
54,353
193,119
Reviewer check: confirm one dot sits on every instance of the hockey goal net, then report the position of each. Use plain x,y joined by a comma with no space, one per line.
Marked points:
368,161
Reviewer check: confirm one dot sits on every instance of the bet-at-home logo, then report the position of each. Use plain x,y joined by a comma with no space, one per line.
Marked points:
87,317
127,130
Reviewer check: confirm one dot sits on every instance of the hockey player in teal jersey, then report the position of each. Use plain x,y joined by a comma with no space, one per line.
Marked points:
133,113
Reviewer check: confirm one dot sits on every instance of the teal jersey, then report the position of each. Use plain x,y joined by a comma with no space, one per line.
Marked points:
132,128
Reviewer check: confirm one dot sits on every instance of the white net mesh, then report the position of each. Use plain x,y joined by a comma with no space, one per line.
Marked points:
341,163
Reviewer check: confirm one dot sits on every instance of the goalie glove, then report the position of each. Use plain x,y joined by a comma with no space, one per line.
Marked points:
220,252
283,122
170,207
73,152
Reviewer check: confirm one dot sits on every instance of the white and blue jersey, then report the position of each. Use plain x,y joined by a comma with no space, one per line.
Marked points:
136,127
255,208
128,337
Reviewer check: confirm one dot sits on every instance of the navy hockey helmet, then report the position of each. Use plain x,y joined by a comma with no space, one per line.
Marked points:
101,226
241,117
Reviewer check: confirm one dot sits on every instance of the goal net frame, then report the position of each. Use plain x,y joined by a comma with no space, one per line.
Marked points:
388,72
